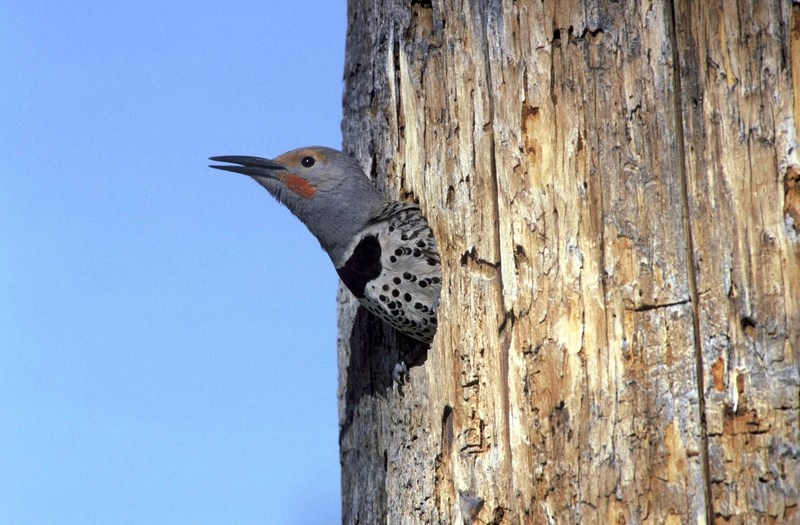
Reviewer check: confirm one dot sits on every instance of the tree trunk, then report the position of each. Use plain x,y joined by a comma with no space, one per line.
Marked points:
615,191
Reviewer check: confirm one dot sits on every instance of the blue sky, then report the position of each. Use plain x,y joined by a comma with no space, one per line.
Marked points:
167,331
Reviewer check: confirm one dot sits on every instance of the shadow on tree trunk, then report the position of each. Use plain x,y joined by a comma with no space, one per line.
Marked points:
375,350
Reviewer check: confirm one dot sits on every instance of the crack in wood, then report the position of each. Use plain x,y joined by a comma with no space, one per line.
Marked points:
648,307
678,112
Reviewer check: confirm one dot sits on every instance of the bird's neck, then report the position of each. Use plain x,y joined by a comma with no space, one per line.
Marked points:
336,232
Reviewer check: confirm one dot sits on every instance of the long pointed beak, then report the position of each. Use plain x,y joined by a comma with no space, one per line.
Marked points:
251,166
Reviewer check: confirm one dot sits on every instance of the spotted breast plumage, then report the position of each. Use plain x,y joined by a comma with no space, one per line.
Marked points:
402,281
384,251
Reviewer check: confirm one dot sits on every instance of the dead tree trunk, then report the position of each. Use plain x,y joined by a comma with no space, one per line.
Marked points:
615,190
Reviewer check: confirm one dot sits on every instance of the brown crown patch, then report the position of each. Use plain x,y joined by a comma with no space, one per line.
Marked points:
292,159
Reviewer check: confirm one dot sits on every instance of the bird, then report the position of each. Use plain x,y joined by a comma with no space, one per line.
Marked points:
384,251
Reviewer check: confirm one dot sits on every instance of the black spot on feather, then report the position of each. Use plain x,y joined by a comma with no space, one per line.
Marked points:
363,266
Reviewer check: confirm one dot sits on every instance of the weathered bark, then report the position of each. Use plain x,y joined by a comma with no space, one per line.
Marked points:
614,189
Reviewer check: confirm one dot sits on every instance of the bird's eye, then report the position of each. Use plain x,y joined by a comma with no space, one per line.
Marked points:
308,161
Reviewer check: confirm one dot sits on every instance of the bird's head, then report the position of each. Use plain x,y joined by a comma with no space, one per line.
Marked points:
325,188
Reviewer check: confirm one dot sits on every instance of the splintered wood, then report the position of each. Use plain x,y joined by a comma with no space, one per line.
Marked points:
614,189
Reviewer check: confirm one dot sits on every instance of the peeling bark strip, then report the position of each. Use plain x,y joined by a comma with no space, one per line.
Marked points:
614,191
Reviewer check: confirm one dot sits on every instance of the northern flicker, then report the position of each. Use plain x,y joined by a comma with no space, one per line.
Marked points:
383,251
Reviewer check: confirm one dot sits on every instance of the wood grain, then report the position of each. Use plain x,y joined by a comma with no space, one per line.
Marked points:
612,187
